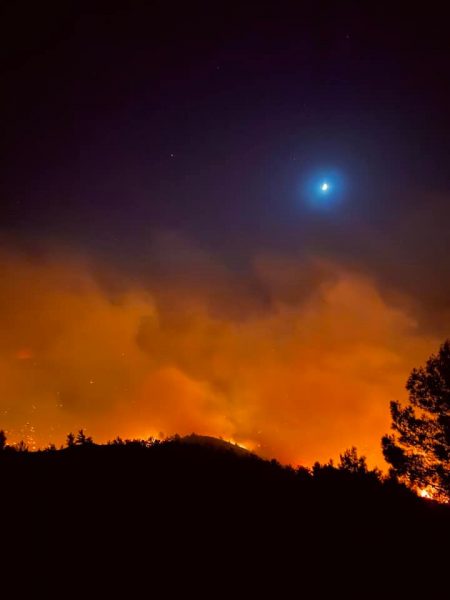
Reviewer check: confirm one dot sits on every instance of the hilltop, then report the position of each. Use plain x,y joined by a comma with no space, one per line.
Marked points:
195,500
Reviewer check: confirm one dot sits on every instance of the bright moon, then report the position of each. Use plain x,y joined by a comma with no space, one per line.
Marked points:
324,187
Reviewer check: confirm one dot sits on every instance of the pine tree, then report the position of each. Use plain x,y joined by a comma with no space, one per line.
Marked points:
82,439
419,449
352,463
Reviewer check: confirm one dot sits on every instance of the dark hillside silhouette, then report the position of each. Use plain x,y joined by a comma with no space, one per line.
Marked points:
209,507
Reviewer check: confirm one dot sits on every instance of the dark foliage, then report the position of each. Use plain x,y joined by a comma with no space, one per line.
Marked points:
2,440
419,450
199,509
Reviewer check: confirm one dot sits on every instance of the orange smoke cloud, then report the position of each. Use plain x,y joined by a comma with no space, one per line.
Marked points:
307,376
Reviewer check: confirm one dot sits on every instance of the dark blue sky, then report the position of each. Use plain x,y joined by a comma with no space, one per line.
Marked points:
122,123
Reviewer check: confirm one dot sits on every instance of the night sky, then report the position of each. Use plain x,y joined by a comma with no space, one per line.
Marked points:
168,262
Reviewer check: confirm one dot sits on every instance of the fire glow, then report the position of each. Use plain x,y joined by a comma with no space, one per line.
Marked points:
299,381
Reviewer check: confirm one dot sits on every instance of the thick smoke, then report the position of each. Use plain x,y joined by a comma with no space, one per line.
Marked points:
295,359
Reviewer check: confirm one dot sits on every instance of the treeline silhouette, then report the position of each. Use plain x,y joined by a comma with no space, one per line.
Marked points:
203,506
